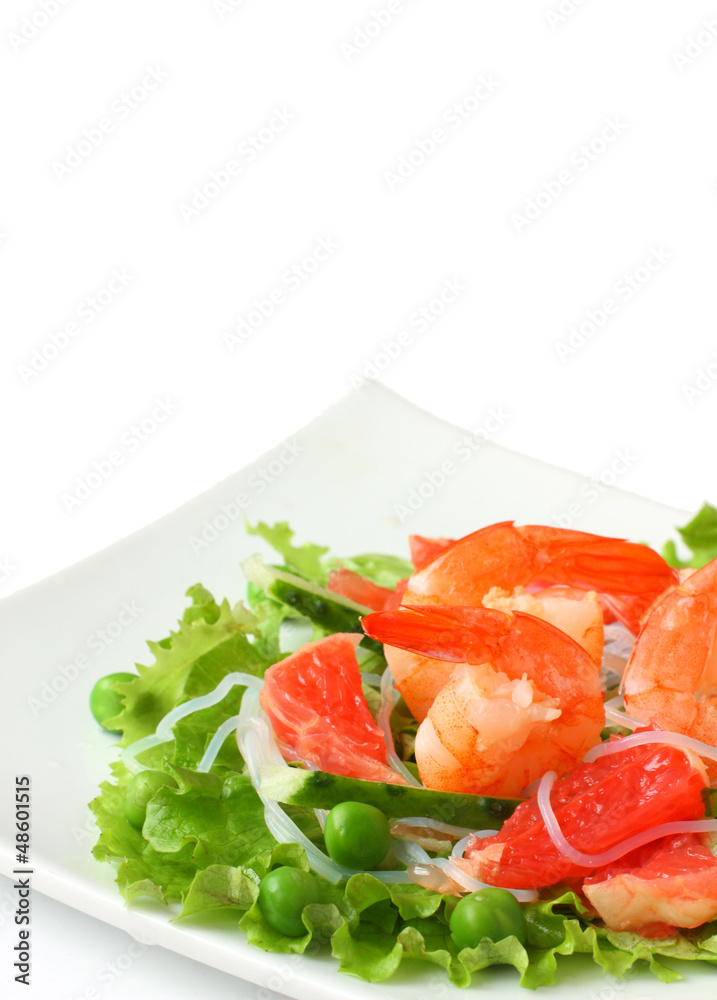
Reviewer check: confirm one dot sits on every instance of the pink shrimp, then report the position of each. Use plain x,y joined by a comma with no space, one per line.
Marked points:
524,697
493,566
671,677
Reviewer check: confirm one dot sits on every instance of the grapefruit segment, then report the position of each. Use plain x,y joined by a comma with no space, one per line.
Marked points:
316,706
669,883
597,806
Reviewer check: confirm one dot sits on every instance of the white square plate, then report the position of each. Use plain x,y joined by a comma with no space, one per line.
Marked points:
346,481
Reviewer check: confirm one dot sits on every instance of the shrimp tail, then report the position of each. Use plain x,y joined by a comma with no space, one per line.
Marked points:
423,549
459,634
608,565
630,609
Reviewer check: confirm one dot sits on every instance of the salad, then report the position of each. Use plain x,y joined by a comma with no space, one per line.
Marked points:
443,760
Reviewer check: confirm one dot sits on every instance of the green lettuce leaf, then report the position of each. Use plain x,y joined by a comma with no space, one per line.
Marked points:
193,733
305,560
203,607
210,820
220,887
321,919
366,945
222,817
191,662
700,535
385,571
142,871
270,616
615,953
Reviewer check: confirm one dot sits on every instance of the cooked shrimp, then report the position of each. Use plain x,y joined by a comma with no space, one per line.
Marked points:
493,566
671,677
420,678
574,611
502,555
524,698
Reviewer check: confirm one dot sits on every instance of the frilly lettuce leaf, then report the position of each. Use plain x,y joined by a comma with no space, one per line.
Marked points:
555,927
307,560
321,919
385,571
302,559
699,535
190,662
142,870
222,817
193,733
224,887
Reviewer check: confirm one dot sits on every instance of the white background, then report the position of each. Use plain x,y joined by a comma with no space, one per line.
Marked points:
536,232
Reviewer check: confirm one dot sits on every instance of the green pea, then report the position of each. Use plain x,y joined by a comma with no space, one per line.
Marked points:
488,913
357,835
283,894
140,790
106,703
